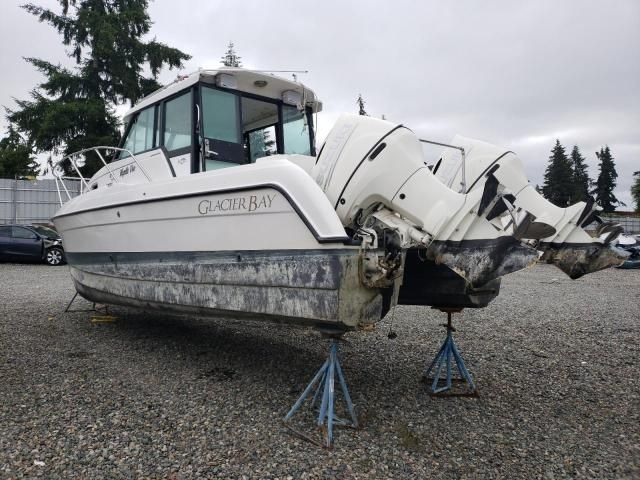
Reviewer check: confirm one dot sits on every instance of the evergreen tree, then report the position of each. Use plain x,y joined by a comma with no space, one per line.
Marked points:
269,143
73,108
360,102
581,180
231,58
635,190
558,177
16,157
606,182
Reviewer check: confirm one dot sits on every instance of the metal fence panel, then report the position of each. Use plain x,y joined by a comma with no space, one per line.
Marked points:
630,222
31,201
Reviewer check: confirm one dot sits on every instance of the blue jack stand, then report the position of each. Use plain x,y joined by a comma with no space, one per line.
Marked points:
447,353
324,384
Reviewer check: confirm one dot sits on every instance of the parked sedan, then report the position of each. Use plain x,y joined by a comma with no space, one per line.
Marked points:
30,243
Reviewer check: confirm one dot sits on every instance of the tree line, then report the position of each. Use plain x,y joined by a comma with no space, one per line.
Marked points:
567,181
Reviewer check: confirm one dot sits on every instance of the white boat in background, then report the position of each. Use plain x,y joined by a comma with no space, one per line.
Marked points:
217,205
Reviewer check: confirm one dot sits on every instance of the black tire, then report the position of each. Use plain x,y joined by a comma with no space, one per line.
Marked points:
54,256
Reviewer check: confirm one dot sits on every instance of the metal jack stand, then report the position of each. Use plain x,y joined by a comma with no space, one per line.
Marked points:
324,384
92,309
447,353
101,314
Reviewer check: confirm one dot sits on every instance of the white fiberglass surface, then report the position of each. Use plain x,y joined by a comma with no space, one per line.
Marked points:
292,181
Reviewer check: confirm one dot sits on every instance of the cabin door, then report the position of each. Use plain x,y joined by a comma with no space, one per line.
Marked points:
220,129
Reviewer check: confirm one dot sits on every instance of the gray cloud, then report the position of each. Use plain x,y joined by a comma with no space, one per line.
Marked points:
512,73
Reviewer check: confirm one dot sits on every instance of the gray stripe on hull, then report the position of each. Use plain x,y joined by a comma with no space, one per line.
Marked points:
299,269
320,286
107,298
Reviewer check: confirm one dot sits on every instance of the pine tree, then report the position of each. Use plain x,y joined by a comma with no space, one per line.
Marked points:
269,143
74,108
581,180
558,177
16,157
231,58
606,182
360,102
635,190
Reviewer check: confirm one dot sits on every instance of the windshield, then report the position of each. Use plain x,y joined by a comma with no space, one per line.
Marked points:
46,231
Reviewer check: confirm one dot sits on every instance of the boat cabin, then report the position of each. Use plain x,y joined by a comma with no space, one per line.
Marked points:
222,118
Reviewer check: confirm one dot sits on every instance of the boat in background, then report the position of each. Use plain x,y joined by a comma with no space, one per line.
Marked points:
631,245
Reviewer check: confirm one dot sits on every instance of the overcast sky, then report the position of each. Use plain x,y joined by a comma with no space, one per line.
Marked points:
514,73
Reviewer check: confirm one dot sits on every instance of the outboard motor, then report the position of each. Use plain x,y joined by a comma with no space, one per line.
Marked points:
373,173
517,207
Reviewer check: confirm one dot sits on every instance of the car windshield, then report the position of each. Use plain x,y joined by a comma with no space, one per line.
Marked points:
46,231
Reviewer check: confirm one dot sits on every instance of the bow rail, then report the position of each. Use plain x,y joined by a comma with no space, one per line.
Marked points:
78,160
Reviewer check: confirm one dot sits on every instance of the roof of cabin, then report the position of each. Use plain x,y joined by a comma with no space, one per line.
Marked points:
246,79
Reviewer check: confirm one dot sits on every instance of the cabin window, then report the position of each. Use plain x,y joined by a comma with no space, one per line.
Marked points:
140,136
177,122
259,120
296,131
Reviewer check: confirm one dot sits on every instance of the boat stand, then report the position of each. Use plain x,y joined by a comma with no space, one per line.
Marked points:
100,314
92,309
448,354
324,384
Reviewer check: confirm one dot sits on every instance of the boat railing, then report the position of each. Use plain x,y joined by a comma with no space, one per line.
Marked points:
78,160
463,181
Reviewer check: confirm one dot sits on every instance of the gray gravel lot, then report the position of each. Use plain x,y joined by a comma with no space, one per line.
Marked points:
556,362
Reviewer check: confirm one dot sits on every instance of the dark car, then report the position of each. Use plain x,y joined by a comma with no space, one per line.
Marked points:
31,243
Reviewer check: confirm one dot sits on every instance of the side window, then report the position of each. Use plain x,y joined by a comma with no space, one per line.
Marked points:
5,231
19,232
296,131
177,122
140,137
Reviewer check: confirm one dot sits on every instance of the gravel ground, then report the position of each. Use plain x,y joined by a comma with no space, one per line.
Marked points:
556,362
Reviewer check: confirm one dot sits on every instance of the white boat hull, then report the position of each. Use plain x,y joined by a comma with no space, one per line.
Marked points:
205,244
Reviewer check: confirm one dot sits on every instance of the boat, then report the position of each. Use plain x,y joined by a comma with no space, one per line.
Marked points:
631,245
217,204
